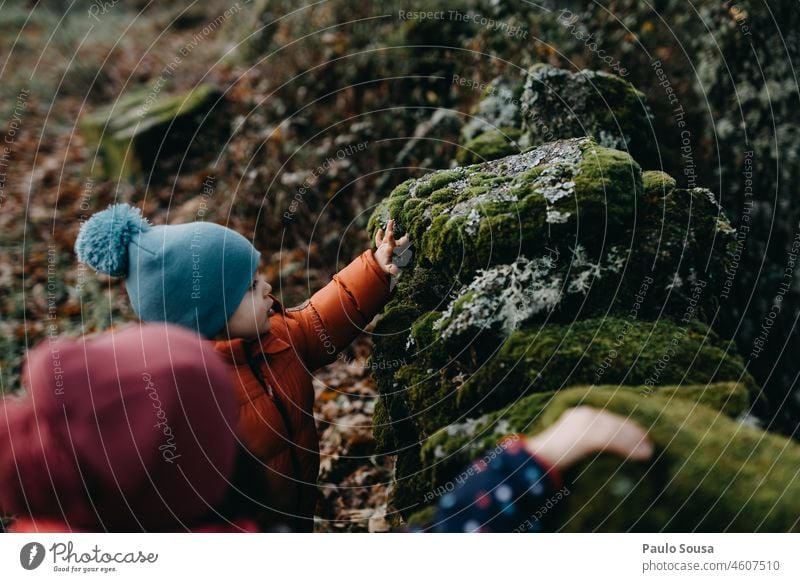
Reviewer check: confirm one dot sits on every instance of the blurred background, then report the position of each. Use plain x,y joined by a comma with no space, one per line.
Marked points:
289,122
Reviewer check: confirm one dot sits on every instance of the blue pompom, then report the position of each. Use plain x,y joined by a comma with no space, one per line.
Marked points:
103,240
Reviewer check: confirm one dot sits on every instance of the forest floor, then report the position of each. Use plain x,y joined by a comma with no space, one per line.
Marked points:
46,192
353,481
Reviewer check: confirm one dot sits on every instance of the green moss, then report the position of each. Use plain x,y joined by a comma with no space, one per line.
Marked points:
393,328
427,345
658,183
600,351
127,134
408,479
491,145
731,398
431,398
393,206
487,214
426,186
424,286
474,191
443,233
709,473
382,429
607,186
442,195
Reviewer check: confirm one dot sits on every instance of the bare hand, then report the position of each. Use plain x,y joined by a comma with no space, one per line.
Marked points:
386,245
583,430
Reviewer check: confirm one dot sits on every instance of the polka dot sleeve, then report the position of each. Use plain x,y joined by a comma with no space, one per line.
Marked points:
507,490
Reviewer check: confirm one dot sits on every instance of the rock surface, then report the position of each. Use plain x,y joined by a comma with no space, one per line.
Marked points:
130,135
551,104
564,275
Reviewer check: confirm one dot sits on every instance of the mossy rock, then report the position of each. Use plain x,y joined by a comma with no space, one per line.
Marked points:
143,127
709,473
562,266
481,339
558,104
670,259
686,242
551,104
600,351
445,454
490,145
467,382
657,183
482,215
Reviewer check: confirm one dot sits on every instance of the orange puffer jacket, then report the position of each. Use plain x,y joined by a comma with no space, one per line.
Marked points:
274,387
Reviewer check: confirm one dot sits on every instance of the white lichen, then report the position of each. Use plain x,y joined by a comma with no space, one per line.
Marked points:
459,379
615,259
472,222
557,217
583,271
503,427
676,283
470,206
466,428
503,297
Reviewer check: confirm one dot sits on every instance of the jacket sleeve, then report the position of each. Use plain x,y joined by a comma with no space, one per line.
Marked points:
338,312
507,490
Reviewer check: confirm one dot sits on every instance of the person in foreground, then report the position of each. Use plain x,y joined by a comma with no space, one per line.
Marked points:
131,431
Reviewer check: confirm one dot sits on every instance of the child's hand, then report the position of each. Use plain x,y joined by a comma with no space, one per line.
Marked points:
386,245
583,430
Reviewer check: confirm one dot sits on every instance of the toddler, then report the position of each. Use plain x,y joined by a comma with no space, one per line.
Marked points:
205,277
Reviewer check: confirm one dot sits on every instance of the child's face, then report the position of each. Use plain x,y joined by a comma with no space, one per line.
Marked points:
251,318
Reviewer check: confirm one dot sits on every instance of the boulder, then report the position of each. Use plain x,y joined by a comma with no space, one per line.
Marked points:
709,472
550,104
557,276
566,214
131,136
558,104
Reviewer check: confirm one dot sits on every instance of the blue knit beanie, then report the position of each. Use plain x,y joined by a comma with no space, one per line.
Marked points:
193,274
